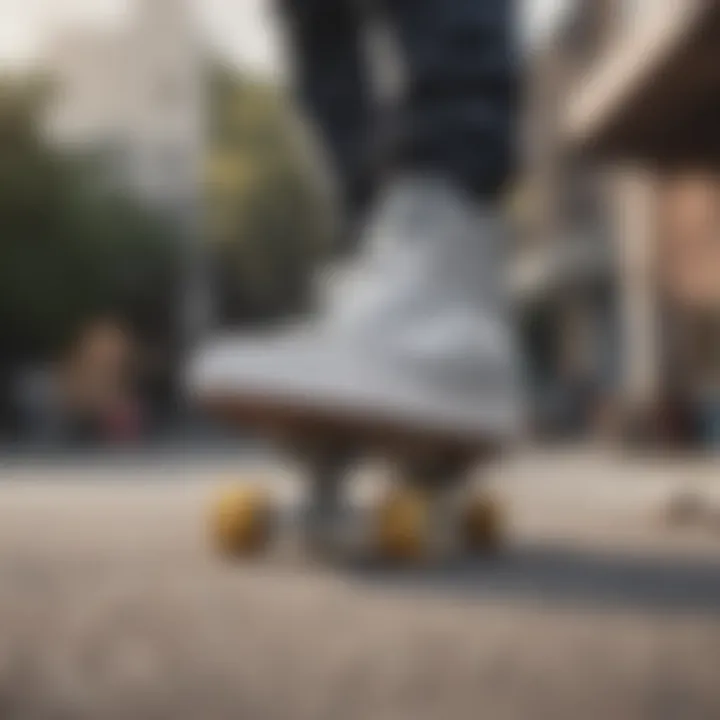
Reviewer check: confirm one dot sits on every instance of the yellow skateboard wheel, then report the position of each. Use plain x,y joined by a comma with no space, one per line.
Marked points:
241,521
403,526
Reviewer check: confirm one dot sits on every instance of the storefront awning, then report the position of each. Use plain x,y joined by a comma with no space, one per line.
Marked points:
653,94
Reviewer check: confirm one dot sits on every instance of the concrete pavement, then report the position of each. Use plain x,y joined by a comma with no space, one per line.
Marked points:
112,606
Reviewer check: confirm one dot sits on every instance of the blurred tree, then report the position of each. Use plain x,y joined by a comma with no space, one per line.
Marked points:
267,220
70,248
73,249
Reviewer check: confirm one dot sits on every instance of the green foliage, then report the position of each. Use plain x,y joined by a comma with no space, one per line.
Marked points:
69,249
267,222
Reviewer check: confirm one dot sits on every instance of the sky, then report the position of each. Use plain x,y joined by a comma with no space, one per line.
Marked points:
240,29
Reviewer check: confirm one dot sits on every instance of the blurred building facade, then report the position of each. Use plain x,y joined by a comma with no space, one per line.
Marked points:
134,93
632,86
564,272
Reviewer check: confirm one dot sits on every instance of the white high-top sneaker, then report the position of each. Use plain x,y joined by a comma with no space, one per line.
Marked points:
417,335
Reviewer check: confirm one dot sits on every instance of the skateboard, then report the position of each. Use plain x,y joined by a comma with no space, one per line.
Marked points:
430,506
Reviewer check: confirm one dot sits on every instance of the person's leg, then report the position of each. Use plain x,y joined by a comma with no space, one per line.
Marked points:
325,44
413,347
458,116
418,333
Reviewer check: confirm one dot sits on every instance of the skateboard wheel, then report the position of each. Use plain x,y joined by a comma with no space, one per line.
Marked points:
241,521
482,524
403,526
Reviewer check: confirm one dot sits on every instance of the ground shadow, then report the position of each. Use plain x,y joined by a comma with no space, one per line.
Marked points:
562,575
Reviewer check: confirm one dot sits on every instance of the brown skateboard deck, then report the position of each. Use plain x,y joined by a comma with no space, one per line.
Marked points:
429,466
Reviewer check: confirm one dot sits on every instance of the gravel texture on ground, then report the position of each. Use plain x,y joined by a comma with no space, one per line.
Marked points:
112,606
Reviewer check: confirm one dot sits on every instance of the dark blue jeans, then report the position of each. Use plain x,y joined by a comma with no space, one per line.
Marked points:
457,113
